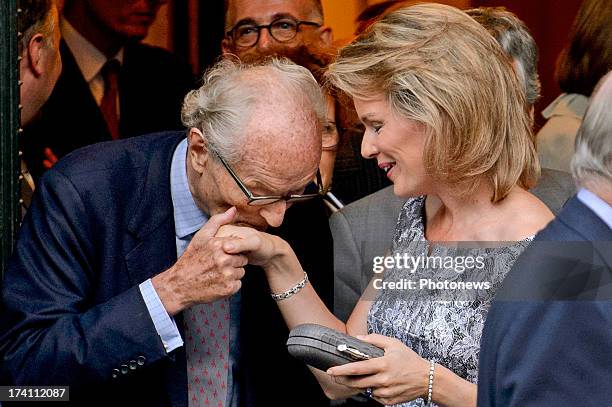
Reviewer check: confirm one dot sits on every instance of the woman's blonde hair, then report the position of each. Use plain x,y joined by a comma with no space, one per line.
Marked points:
437,66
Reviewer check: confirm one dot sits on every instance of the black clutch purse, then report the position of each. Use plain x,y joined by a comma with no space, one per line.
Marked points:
322,347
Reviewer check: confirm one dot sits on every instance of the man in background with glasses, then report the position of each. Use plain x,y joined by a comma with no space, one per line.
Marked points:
118,286
272,26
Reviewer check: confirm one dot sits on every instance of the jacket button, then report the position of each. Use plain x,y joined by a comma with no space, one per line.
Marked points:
133,365
116,373
124,369
141,360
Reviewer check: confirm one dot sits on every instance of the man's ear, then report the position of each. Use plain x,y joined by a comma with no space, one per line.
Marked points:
326,36
35,54
197,152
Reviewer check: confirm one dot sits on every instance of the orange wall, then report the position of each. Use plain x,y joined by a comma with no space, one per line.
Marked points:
341,14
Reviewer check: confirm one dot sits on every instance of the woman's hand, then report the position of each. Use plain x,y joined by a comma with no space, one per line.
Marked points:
397,377
259,247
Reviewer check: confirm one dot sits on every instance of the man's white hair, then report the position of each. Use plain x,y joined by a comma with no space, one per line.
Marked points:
592,161
221,107
517,42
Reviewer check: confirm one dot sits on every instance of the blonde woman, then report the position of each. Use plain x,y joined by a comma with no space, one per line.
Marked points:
446,119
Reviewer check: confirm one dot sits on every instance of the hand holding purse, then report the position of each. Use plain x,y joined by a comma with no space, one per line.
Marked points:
322,347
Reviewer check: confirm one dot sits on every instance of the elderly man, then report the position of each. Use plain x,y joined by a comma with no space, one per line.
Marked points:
547,338
296,29
94,296
112,85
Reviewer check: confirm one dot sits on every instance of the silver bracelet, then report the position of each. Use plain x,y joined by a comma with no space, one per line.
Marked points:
292,291
432,367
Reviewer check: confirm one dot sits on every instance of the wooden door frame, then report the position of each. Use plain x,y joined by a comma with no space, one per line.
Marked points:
9,127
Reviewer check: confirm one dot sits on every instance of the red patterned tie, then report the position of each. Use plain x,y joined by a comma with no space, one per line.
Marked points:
207,342
108,106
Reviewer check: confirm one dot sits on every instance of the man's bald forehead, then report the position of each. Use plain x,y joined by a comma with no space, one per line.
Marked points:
284,132
280,112
311,8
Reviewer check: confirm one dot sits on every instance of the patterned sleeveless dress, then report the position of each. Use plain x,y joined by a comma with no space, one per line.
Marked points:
439,324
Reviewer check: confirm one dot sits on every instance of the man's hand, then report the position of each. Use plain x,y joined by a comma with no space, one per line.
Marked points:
204,273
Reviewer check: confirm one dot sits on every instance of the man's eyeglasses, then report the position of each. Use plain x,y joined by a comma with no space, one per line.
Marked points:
282,29
254,200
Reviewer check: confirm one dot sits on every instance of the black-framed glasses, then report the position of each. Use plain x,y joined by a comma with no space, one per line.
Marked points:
255,200
282,29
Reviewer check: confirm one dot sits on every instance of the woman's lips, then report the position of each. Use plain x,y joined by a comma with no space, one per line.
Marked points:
387,168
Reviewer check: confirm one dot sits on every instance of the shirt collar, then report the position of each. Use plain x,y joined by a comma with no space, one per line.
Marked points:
89,59
188,217
597,205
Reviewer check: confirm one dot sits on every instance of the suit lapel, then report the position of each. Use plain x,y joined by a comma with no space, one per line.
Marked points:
153,247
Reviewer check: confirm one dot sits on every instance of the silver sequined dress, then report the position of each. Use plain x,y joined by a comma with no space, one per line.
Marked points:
442,325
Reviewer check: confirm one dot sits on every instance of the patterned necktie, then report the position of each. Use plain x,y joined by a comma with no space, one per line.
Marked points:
207,348
108,106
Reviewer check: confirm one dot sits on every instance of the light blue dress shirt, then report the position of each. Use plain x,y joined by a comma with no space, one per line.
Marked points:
188,219
600,207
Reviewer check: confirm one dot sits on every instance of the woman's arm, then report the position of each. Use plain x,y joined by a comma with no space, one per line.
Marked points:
283,271
399,376
452,390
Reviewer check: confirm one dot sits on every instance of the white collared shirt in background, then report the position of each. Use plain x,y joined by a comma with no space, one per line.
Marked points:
89,59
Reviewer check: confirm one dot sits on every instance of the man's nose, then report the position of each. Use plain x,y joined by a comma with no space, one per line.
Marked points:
265,39
274,213
368,147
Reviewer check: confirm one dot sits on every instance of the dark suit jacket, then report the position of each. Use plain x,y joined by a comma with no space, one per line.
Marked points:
548,335
100,223
152,85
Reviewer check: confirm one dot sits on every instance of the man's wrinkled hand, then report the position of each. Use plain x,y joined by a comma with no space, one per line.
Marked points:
205,272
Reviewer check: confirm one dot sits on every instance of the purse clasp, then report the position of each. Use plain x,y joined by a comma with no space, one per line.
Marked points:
355,354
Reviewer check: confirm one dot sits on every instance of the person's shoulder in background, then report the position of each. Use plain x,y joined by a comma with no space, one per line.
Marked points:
555,140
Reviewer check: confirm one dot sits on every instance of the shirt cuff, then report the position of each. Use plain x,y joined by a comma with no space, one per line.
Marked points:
165,326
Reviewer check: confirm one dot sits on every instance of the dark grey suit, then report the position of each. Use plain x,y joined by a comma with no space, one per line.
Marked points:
361,230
